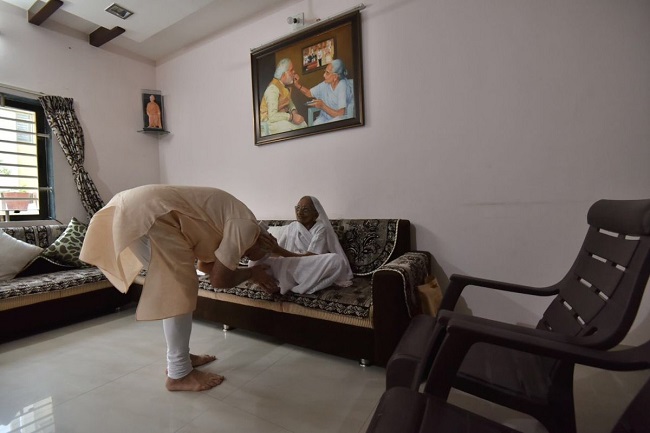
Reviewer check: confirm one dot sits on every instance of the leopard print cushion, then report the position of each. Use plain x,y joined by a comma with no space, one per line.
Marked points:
65,250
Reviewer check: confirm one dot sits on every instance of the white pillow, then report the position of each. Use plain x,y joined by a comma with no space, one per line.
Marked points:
15,255
276,231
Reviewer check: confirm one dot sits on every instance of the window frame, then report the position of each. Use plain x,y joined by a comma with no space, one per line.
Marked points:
44,158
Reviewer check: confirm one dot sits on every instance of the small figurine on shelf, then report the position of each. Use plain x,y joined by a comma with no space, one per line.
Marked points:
154,113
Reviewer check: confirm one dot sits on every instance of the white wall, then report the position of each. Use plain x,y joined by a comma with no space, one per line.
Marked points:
491,125
106,92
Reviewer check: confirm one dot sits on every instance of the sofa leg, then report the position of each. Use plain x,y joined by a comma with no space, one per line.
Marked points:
226,327
363,362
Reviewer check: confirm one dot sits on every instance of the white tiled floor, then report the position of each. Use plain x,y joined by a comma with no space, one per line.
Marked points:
107,375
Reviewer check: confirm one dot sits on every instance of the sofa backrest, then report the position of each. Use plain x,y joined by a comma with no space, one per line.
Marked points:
42,236
368,243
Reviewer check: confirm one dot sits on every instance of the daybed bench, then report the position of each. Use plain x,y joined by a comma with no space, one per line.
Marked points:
362,322
46,294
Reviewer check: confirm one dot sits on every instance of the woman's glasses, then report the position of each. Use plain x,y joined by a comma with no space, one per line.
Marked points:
303,209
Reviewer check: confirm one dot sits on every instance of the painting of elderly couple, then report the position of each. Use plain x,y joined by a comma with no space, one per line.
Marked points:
309,83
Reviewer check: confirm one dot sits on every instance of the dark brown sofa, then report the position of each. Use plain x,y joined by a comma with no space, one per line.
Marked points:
362,322
52,295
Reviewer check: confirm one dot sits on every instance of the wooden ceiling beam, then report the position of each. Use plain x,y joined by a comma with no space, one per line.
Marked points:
37,15
102,35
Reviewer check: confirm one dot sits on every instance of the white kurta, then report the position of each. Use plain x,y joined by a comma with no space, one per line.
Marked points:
308,274
182,224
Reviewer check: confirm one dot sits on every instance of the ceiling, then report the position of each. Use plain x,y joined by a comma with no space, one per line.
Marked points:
158,28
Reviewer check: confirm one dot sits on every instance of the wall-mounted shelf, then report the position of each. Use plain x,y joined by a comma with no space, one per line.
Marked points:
154,131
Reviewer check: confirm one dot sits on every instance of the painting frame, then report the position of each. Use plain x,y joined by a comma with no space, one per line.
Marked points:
345,30
154,121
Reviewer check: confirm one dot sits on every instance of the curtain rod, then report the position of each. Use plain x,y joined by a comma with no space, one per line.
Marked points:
19,89
359,7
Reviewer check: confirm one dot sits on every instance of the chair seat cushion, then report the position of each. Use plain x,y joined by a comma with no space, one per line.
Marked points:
407,411
520,373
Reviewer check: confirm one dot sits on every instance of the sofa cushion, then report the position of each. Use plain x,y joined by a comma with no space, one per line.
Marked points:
15,255
368,243
41,265
49,282
355,300
65,250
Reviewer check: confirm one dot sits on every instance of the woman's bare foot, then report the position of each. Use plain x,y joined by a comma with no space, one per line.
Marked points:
195,381
199,360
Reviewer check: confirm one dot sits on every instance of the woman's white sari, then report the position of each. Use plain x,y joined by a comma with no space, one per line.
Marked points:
329,266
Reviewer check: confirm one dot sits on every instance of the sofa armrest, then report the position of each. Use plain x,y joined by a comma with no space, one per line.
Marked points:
395,299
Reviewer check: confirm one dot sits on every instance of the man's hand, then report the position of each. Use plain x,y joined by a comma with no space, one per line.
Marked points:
260,277
205,267
267,242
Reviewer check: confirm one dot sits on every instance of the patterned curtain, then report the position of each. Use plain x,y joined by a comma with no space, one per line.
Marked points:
63,121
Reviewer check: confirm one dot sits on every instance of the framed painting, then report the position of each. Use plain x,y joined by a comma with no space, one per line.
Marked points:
309,82
152,110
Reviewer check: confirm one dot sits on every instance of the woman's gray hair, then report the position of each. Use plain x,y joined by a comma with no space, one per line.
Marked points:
281,68
338,67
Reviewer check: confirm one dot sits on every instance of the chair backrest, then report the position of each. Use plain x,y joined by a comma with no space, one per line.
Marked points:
600,295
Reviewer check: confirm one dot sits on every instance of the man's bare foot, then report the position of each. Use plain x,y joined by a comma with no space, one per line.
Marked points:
195,381
199,360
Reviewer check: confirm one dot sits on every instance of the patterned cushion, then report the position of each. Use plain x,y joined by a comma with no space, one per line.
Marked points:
65,250
368,243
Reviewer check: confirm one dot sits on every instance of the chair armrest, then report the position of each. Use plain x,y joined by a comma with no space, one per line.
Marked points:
462,332
458,282
395,299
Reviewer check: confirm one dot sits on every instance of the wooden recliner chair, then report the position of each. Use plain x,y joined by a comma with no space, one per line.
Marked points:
408,411
594,307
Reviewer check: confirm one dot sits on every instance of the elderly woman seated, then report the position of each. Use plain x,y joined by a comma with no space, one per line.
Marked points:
308,256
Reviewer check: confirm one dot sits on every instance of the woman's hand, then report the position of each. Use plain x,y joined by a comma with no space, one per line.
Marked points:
318,103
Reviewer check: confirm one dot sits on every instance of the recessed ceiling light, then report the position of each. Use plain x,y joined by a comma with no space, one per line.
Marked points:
119,11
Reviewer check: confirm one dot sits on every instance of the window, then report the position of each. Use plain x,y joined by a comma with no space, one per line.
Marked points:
25,160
